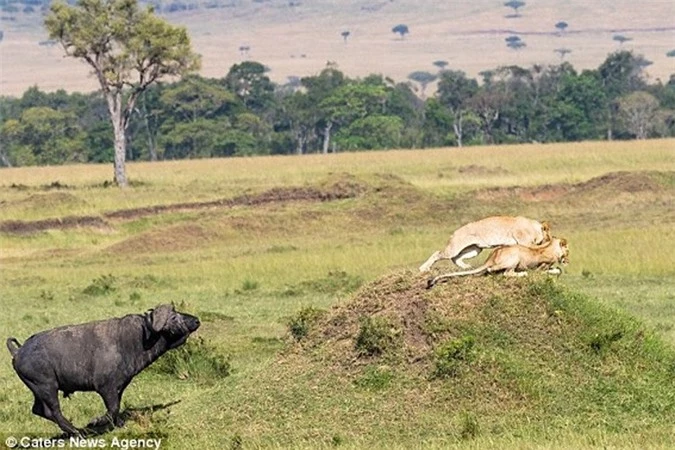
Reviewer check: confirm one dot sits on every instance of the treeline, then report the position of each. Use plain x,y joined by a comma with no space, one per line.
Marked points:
244,113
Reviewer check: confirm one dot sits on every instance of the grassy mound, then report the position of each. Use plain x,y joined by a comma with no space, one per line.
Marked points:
477,356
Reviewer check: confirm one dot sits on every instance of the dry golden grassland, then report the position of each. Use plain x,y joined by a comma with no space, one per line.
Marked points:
248,244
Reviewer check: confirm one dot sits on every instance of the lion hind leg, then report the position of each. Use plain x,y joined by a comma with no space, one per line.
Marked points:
469,252
433,259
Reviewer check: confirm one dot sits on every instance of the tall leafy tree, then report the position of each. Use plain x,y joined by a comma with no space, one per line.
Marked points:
43,135
621,74
639,113
251,84
319,88
455,90
128,49
351,102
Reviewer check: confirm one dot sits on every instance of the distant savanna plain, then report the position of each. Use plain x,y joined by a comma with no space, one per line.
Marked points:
296,39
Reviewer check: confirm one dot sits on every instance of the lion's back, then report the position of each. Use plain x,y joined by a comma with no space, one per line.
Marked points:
493,231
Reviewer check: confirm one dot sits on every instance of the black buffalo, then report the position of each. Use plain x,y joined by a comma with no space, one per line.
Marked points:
102,356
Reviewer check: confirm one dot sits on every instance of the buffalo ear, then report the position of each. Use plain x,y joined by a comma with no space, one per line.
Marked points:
160,316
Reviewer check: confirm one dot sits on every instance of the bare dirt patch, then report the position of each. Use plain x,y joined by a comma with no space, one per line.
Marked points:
613,183
61,223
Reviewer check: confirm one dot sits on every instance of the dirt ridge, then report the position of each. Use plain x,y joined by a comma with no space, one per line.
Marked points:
341,189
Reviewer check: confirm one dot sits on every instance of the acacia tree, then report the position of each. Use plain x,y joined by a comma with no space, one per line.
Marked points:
128,48
516,5
423,78
401,29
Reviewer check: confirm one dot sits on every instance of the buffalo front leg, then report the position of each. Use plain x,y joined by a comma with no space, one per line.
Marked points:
111,398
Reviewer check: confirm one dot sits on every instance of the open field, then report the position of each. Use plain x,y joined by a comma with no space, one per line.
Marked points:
298,41
247,244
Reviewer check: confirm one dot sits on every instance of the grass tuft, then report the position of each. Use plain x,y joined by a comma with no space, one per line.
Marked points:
196,359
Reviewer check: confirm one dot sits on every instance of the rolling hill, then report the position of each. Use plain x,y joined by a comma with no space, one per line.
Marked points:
296,38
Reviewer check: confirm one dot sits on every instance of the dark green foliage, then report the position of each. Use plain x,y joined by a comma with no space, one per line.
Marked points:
376,336
245,113
196,359
300,324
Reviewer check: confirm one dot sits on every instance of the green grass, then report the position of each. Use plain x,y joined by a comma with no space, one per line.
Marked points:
250,271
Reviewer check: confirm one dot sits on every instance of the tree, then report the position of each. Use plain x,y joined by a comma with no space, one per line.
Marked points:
345,34
319,88
43,135
441,64
671,54
514,42
350,102
488,105
562,52
371,132
454,92
639,112
561,26
516,5
423,78
401,29
621,38
128,48
251,84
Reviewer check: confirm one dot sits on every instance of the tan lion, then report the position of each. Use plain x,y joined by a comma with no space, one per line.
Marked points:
515,260
469,240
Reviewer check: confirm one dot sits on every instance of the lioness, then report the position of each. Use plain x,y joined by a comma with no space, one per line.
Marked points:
515,260
469,240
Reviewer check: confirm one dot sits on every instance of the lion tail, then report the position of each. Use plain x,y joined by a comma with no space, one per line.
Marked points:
431,282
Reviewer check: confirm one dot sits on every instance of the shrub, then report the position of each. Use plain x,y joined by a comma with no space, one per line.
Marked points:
450,356
249,285
376,336
299,324
103,285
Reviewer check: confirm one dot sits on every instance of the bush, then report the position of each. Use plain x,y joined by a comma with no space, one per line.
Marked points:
299,324
450,356
377,335
103,285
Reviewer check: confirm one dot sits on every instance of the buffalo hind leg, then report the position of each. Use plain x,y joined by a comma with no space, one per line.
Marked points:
46,405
